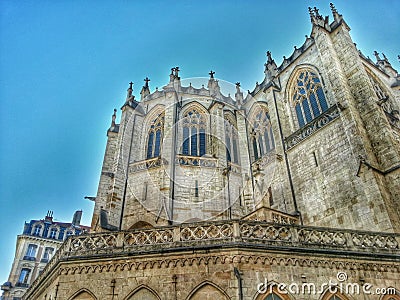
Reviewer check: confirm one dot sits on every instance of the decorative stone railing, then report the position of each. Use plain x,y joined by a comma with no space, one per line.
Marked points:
233,233
146,164
264,161
186,160
324,119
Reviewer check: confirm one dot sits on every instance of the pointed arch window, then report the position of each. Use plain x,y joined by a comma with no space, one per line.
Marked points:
155,136
273,296
308,97
262,136
231,141
194,133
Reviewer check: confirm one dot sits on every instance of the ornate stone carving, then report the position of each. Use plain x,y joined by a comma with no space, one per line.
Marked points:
324,119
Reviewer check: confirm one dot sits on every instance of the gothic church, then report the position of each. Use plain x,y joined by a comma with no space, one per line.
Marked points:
205,196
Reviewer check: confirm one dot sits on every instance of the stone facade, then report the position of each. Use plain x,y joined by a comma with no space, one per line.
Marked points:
203,196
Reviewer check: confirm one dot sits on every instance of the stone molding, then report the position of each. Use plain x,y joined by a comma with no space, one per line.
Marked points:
310,128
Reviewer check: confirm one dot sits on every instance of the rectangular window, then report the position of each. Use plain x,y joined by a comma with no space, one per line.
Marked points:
144,197
196,188
48,253
31,251
24,276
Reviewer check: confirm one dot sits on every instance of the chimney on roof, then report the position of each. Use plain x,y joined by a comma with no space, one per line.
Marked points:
76,220
49,216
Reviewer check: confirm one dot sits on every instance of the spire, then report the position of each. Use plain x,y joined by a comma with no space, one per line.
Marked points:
377,56
316,12
145,89
336,16
385,58
177,73
113,117
129,90
238,94
270,67
317,19
385,65
312,16
269,57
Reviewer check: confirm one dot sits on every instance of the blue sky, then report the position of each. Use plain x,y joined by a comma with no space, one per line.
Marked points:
64,66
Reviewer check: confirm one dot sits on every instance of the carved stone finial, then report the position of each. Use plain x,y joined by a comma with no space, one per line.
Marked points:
211,74
316,11
172,71
284,57
177,71
114,116
306,36
129,91
238,83
377,56
333,8
295,48
335,13
310,12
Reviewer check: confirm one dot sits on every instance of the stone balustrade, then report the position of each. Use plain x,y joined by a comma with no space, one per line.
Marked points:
186,160
233,233
324,119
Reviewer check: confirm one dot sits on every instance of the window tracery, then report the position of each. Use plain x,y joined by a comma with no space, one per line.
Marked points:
154,137
231,141
194,133
308,97
261,135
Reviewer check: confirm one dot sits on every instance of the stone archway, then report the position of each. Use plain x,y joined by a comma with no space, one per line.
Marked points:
143,293
83,295
208,291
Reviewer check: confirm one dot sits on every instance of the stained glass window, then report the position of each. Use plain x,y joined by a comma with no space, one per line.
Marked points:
262,136
308,99
194,133
231,139
155,136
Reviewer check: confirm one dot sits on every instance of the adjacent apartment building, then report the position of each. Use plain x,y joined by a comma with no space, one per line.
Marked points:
35,247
